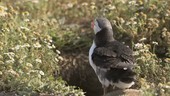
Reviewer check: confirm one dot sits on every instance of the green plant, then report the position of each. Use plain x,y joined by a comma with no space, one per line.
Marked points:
33,31
28,57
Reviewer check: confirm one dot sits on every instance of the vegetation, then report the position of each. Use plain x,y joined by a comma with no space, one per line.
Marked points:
27,59
36,34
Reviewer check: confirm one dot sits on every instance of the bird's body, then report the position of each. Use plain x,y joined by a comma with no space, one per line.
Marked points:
111,60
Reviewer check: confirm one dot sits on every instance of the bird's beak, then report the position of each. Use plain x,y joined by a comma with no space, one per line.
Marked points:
92,24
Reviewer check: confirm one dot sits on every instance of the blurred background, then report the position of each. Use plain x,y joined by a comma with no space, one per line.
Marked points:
44,45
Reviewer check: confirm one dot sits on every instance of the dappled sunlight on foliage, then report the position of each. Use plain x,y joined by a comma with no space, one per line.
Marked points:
28,57
35,35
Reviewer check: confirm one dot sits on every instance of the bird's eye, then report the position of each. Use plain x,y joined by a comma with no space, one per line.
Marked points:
92,24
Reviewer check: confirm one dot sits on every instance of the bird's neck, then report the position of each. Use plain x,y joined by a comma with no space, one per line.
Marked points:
104,36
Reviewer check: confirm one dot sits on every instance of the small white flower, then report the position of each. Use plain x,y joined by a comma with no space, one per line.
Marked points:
133,18
25,28
166,15
49,46
29,65
70,5
114,21
138,46
133,2
136,53
155,43
92,7
3,11
142,39
17,47
56,59
10,55
12,72
164,29
1,73
3,8
34,38
60,58
37,45
112,7
84,4
128,23
151,19
26,20
9,61
20,61
50,41
166,86
58,52
7,29
122,20
45,41
25,45
53,46
38,60
142,50
134,23
41,72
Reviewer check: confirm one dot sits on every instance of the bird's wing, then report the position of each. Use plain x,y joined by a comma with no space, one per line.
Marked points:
115,55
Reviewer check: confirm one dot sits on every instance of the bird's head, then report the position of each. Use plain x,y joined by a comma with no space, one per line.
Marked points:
100,23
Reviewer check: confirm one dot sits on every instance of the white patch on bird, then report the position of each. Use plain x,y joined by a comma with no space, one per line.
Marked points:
123,85
124,68
96,27
100,72
90,56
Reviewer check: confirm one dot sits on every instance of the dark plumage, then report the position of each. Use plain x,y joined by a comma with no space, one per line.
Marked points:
113,54
112,61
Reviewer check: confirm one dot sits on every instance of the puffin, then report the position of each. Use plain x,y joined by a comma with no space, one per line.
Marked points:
112,61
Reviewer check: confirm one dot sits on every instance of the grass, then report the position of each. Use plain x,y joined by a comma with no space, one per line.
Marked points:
33,32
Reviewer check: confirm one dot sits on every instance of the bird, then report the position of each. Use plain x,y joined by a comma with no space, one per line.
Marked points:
112,61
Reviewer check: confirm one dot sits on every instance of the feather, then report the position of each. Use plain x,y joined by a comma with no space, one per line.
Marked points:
113,55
